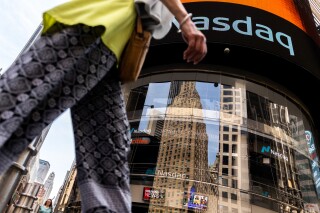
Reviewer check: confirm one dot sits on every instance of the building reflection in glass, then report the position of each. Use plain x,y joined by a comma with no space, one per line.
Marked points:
182,165
208,147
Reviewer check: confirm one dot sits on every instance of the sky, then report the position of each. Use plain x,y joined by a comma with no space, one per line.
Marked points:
19,20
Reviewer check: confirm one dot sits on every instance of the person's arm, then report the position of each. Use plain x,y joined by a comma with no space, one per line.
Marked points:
197,46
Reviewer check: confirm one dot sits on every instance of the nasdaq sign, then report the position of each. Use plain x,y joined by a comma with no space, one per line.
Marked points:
267,149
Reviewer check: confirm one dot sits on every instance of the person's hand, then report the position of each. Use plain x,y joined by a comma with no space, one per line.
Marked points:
197,46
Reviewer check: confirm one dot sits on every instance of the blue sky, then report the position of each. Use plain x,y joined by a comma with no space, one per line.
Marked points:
19,20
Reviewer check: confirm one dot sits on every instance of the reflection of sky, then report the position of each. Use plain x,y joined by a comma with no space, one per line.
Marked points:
157,96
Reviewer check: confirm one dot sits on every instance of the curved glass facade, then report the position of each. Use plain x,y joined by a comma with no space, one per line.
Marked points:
205,142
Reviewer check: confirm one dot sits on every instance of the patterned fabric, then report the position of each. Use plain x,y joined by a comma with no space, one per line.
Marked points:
69,68
102,138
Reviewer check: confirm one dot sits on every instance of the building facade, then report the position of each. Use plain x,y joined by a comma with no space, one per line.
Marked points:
43,170
68,199
48,185
236,133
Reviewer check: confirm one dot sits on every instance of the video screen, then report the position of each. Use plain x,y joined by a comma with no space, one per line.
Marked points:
150,193
195,201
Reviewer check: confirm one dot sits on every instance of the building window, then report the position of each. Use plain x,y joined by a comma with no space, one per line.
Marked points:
227,99
225,160
234,172
235,138
234,148
224,182
225,148
225,171
234,184
234,128
234,161
228,106
227,92
234,196
225,137
225,194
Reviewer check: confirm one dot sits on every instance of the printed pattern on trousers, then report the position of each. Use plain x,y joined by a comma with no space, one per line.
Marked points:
102,143
102,139
52,76
70,67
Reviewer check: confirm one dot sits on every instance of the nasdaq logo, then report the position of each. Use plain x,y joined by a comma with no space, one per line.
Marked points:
245,27
276,154
265,149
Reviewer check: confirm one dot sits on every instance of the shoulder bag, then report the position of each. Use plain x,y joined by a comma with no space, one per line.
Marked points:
134,54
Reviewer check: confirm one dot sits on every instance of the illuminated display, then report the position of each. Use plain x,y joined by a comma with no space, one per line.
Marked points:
267,149
195,201
142,140
151,193
283,8
247,26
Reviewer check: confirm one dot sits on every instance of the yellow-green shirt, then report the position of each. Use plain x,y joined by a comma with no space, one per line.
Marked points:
117,16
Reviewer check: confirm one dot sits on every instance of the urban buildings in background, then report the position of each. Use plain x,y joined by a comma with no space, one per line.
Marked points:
30,194
47,188
43,170
185,157
24,186
68,198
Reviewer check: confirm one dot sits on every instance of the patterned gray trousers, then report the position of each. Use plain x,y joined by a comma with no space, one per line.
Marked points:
68,67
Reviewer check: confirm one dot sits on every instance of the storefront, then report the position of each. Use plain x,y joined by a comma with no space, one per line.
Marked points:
228,135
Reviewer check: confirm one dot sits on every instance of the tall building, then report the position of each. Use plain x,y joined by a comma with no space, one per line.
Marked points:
48,185
34,167
182,172
68,199
43,170
233,166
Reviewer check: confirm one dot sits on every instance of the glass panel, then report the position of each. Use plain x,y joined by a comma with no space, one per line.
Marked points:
206,146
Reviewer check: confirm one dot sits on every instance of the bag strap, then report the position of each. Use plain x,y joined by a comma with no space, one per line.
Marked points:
139,25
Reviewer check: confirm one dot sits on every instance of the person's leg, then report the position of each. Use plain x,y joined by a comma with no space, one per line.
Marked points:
102,142
55,73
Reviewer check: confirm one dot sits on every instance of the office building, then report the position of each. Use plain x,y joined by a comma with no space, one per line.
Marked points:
48,187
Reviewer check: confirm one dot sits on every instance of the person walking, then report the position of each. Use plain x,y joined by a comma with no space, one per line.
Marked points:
73,64
46,208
